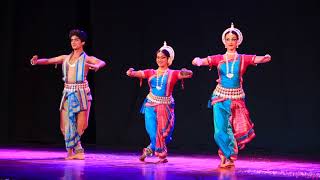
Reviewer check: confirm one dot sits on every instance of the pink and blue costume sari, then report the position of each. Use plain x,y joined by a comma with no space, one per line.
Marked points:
158,109
232,125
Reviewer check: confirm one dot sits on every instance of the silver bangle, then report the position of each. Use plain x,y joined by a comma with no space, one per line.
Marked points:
31,62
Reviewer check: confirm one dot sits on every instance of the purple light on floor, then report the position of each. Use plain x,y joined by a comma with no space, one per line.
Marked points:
23,163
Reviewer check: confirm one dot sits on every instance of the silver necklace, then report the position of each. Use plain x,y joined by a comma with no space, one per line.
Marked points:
160,86
230,74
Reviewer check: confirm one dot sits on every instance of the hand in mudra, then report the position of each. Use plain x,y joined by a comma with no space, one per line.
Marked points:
197,61
129,72
94,67
34,60
185,72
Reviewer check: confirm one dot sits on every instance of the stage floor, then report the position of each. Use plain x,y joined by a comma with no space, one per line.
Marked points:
39,163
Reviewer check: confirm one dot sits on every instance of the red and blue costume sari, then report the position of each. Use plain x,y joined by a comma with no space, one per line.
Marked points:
158,109
232,125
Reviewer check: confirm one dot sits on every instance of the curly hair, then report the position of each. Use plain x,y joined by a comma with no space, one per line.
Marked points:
79,33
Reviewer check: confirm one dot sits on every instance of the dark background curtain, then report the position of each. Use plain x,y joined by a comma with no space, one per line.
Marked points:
282,96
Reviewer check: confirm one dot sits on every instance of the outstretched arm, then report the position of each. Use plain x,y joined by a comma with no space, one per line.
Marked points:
262,59
94,63
44,61
185,73
200,61
132,73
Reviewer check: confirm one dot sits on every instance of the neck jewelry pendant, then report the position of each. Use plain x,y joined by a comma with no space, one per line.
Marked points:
229,75
160,86
157,86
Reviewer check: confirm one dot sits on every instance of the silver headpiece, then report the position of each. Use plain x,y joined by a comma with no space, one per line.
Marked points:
232,28
170,50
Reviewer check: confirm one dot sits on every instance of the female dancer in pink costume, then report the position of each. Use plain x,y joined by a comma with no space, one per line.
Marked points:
158,107
232,125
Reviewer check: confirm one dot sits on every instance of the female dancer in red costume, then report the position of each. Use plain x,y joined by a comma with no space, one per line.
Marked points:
232,125
158,106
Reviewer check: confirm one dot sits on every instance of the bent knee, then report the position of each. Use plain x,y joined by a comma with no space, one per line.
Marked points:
219,135
80,131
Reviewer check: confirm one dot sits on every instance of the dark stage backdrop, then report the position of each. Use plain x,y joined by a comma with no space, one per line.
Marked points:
282,96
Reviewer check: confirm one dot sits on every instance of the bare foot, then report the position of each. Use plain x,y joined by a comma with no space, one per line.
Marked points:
79,156
165,160
228,164
68,158
142,157
223,161
69,155
146,152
